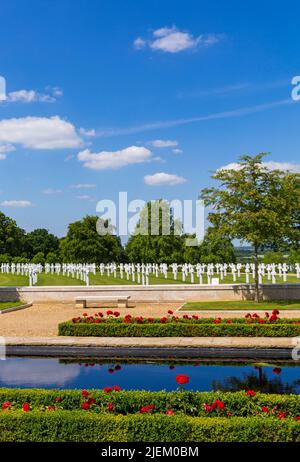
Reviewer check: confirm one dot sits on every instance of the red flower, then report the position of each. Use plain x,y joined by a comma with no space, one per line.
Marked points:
58,399
229,414
147,408
267,315
255,315
170,412
170,312
218,404
217,321
109,312
116,314
182,379
275,312
297,418
281,415
117,388
248,315
97,321
110,407
273,318
85,393
107,389
265,409
85,314
26,407
207,407
51,408
150,319
250,393
85,405
100,315
139,319
262,321
276,370
195,317
91,401
229,321
163,320
6,405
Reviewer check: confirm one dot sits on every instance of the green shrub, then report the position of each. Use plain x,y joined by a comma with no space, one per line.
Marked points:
179,329
130,402
79,426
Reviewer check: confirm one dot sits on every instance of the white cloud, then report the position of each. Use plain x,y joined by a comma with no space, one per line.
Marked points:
87,132
163,179
173,40
177,151
32,96
51,191
5,149
83,186
164,143
84,197
139,43
16,204
240,112
284,166
39,133
106,160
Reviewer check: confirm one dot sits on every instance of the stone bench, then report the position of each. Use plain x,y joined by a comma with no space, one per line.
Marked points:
121,300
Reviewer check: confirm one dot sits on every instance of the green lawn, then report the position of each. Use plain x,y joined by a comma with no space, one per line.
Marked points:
5,305
243,305
53,280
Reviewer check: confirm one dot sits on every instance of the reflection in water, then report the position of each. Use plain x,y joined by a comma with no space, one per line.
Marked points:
258,381
148,375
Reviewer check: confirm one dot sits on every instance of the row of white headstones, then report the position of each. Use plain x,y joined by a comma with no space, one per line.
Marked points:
139,273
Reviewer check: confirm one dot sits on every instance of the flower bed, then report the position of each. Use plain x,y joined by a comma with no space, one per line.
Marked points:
112,325
114,415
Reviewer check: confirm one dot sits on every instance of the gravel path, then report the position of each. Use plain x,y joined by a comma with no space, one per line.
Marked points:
42,319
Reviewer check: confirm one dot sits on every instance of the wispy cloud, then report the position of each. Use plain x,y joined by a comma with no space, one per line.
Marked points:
83,186
49,191
33,96
173,40
16,203
110,132
163,143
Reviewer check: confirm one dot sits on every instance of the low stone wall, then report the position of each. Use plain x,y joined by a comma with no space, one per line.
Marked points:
154,293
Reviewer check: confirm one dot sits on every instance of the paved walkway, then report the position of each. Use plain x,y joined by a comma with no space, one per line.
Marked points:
192,342
41,320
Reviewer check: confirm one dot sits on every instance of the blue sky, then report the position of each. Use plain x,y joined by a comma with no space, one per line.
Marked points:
142,96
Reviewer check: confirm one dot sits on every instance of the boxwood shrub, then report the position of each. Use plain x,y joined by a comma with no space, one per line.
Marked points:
79,426
180,329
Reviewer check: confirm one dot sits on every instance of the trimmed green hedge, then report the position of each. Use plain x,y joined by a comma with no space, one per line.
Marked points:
179,329
130,402
80,426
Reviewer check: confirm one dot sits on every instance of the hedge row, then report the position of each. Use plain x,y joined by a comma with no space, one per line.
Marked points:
174,329
130,402
84,427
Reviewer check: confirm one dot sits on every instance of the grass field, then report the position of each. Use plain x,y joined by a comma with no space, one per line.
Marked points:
243,305
55,280
5,305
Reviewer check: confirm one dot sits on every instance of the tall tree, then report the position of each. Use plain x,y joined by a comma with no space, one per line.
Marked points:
83,243
254,204
40,240
157,237
11,237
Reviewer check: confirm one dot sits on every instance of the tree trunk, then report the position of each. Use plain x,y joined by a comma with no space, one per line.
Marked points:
256,279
